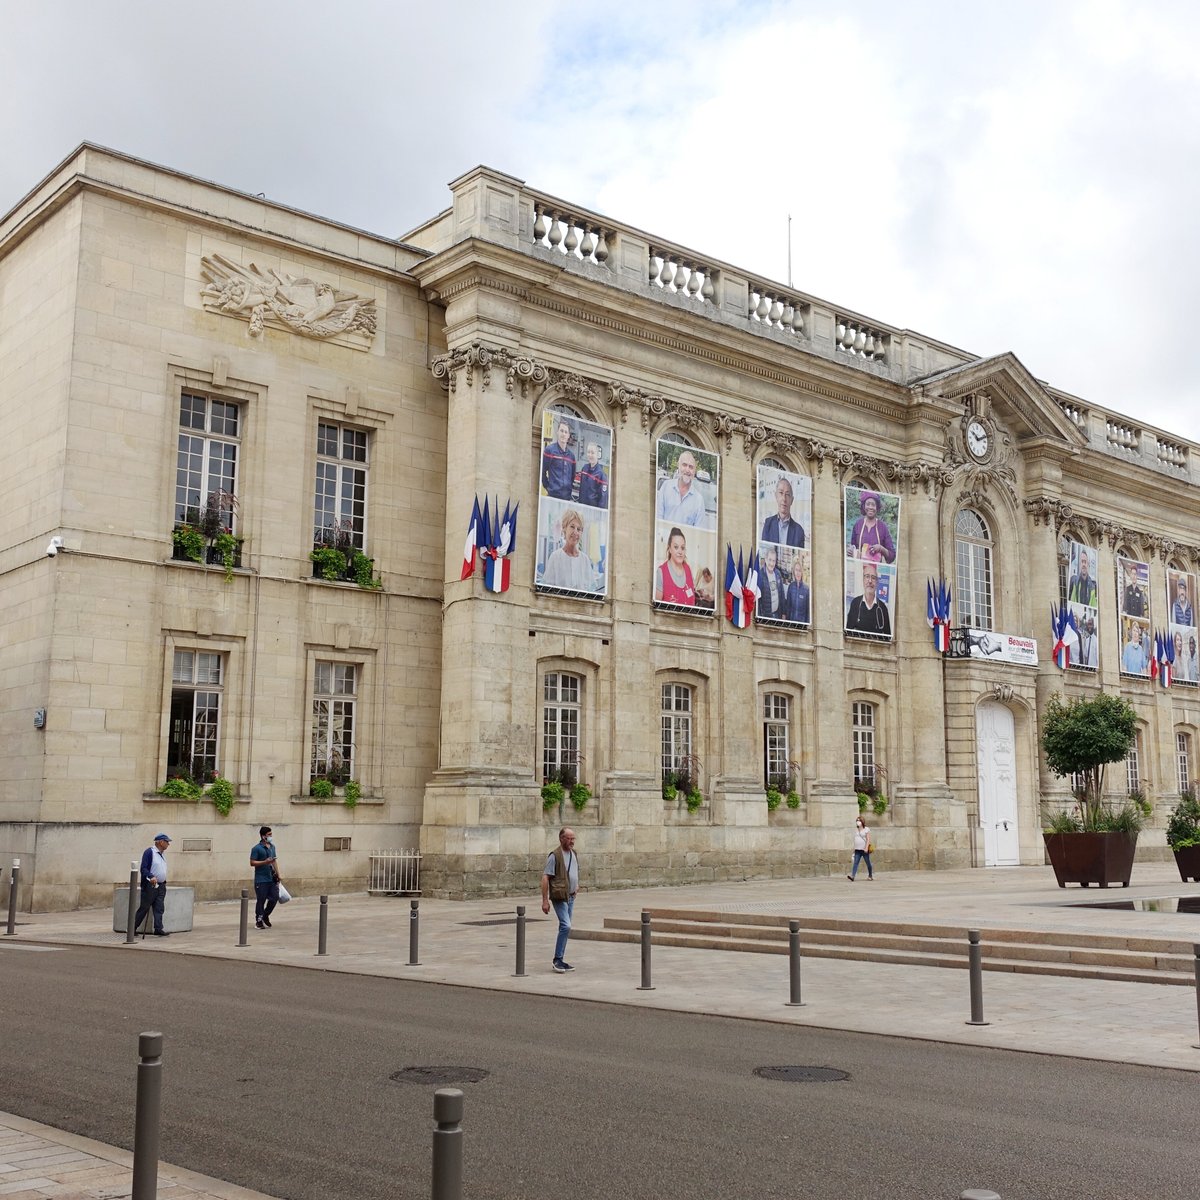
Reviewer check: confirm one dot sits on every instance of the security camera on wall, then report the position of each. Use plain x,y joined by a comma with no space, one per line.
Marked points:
56,544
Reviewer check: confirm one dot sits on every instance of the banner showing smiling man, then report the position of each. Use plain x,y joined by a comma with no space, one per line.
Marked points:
687,485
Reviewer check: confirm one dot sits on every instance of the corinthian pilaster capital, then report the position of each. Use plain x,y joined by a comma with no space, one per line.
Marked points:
517,368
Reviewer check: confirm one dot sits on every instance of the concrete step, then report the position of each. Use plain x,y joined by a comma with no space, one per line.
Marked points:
1139,960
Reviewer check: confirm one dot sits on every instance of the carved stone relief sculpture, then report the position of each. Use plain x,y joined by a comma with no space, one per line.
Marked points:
302,305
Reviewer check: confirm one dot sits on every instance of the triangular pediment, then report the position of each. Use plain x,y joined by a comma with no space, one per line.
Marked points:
1023,403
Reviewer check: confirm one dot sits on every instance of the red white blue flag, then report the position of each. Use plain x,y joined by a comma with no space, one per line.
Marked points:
1164,658
471,545
499,537
1066,634
937,613
751,590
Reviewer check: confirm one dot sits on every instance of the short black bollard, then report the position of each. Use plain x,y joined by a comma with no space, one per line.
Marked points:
975,965
414,932
323,927
244,920
146,1118
645,987
520,942
131,912
447,1144
1196,952
11,931
794,965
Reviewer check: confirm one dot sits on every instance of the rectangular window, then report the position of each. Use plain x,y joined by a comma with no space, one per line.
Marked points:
206,462
197,683
974,577
335,692
340,507
863,724
560,728
1133,766
776,749
676,727
1183,760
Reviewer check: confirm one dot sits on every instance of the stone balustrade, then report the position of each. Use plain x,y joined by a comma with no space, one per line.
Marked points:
683,275
856,338
1171,455
1075,413
775,309
575,236
1122,437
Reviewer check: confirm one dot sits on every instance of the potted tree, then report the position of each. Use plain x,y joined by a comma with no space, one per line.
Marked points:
1092,842
1183,835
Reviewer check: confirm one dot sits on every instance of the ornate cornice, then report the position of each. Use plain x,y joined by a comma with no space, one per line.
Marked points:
1056,513
653,407
575,387
1050,509
517,368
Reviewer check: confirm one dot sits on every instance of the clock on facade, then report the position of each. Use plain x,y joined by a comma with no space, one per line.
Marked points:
978,439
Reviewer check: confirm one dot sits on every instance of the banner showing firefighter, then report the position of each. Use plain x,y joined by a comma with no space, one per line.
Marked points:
1133,604
872,532
1083,639
784,526
1181,628
686,566
571,546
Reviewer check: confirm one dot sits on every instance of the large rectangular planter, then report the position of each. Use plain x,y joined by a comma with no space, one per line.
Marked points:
1188,862
177,911
1087,858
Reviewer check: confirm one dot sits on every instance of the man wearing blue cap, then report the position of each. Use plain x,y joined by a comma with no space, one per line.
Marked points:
154,884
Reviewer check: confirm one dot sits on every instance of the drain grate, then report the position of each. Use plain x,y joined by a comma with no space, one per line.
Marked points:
439,1076
801,1074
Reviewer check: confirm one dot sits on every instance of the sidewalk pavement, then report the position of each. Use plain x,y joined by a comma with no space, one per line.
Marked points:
472,944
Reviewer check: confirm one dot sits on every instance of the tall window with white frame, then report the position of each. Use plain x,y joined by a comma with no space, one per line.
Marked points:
193,743
340,503
777,759
335,697
676,731
863,730
1183,761
973,570
561,721
1133,766
206,459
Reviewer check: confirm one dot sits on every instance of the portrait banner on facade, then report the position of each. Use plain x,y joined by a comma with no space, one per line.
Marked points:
784,527
1083,601
686,567
1133,605
571,543
1181,628
872,539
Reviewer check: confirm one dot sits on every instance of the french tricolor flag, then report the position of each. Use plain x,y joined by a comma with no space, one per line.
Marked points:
937,613
471,545
735,600
750,587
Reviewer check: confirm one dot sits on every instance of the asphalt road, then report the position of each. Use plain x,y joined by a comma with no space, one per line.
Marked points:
279,1080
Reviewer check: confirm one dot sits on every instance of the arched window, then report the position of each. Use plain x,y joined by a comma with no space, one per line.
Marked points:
863,727
777,741
973,570
561,709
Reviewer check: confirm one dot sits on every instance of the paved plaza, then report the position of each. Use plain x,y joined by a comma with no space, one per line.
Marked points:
471,944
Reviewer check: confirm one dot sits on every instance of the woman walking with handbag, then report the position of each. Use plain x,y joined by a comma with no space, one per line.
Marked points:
862,849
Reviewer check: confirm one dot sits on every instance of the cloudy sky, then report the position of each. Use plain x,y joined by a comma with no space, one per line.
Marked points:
1016,176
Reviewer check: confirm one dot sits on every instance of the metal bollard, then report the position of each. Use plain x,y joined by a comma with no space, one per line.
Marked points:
975,965
1196,952
244,920
414,932
447,1144
794,965
520,941
323,927
146,1119
131,912
11,931
645,987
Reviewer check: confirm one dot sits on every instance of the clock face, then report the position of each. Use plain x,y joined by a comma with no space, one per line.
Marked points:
978,439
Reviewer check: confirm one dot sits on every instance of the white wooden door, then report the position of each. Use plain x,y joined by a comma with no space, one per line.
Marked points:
996,753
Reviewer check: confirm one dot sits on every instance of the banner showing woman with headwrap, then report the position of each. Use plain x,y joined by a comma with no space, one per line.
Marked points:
872,529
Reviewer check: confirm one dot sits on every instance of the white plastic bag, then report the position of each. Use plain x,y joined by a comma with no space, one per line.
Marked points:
284,894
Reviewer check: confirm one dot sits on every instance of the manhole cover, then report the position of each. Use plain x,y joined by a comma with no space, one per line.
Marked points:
439,1075
801,1074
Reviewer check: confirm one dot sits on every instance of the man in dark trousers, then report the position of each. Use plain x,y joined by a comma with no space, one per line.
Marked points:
266,878
154,884
560,882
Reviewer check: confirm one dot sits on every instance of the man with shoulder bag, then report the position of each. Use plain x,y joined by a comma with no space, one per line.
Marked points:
560,882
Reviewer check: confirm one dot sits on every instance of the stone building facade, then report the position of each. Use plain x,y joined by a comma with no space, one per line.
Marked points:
167,344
